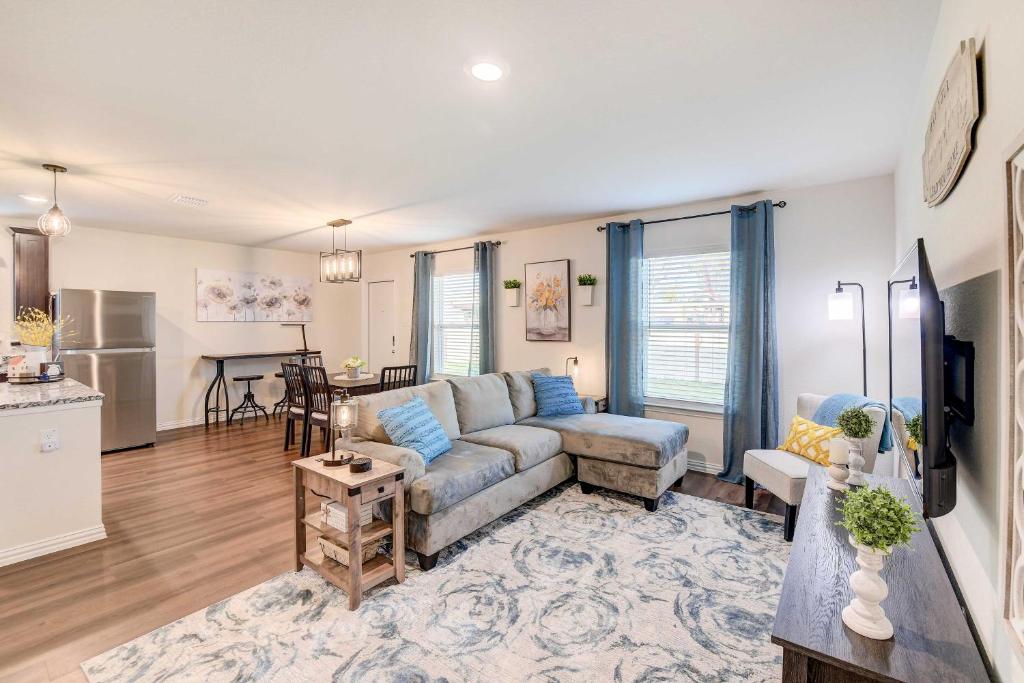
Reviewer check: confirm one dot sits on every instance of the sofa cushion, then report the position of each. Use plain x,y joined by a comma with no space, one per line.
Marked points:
412,425
617,438
437,396
481,402
403,457
466,469
529,445
520,392
782,473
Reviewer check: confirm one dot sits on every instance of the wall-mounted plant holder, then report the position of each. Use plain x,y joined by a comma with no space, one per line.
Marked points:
586,294
512,297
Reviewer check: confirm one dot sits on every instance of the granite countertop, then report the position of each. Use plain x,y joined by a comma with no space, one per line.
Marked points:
14,396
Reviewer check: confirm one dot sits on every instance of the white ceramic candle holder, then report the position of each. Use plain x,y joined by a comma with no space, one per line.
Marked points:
856,463
864,614
838,458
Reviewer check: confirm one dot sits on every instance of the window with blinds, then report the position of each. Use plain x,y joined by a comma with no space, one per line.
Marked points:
456,347
687,316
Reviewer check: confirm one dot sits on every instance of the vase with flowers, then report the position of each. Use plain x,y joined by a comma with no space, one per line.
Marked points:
35,330
353,366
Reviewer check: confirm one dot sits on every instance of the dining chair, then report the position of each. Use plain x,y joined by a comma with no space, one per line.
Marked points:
295,399
318,405
315,359
397,377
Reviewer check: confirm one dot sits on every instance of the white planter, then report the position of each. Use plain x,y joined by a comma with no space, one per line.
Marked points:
36,356
856,464
353,373
587,294
512,297
864,614
838,458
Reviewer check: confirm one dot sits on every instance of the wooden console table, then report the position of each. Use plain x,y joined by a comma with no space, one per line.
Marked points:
932,641
383,482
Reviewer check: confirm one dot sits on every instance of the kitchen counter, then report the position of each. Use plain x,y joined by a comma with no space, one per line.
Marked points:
15,396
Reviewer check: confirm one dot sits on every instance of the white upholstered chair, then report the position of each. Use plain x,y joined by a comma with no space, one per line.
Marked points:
785,474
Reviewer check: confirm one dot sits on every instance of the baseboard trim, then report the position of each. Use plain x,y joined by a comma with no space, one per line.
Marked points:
703,466
178,424
20,553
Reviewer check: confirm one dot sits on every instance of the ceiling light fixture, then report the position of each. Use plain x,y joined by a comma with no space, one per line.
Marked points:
485,71
340,265
54,223
34,198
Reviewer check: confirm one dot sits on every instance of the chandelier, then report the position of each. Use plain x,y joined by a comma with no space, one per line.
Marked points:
340,265
54,223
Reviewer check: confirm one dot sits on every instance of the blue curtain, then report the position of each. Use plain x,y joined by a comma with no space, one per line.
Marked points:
752,375
483,266
624,347
419,338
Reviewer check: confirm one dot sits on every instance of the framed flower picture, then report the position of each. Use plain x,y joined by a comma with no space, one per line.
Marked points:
548,310
226,296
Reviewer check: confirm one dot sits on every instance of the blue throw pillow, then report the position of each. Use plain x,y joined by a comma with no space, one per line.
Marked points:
412,425
556,396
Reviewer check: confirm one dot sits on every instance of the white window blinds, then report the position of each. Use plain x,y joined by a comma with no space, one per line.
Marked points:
456,346
687,326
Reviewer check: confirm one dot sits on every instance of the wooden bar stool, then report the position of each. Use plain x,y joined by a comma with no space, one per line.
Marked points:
248,404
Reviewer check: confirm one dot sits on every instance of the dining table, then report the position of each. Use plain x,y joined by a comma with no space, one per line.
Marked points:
356,386
219,382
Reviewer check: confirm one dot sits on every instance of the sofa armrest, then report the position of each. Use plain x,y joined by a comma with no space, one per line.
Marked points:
406,458
589,405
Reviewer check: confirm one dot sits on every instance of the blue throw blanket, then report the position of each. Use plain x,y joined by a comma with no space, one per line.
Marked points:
828,413
909,406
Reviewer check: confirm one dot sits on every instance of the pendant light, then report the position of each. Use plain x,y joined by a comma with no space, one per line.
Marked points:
54,223
340,265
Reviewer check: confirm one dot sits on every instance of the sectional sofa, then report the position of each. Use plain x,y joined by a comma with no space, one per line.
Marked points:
503,454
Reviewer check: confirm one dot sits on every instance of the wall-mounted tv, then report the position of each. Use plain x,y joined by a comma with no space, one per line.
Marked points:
931,380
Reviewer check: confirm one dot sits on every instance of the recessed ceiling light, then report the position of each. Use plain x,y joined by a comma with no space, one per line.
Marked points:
485,71
34,198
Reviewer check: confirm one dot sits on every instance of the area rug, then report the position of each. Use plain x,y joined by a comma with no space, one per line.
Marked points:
570,587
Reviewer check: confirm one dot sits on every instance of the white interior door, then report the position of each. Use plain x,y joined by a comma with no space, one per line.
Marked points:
381,305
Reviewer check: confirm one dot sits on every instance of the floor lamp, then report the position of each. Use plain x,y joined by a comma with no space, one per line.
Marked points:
840,307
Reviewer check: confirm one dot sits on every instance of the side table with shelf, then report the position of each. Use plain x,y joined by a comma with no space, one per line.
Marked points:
383,482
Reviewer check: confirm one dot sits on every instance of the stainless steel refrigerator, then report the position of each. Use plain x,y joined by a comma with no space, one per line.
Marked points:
112,349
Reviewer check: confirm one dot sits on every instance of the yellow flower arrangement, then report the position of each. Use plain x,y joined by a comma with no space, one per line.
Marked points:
34,327
547,294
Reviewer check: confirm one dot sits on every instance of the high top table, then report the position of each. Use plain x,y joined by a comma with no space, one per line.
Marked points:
219,381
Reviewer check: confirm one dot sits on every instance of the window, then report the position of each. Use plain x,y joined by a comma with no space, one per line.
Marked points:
687,326
456,320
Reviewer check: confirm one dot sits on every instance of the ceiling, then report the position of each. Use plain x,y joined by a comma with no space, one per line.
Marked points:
284,115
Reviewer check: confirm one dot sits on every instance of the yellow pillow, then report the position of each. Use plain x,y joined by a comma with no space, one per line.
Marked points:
809,440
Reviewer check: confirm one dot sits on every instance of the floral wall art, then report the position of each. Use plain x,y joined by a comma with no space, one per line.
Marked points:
225,296
547,301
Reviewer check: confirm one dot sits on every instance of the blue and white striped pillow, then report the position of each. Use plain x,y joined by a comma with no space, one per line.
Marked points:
412,425
556,396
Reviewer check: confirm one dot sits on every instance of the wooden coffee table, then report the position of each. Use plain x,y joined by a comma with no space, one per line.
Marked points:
382,482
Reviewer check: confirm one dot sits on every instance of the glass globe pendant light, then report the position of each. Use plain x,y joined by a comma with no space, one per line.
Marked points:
54,223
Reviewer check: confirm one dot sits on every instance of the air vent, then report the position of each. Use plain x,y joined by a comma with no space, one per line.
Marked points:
186,200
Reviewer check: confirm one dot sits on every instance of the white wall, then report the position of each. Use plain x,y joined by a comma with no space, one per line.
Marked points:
828,232
966,237
93,258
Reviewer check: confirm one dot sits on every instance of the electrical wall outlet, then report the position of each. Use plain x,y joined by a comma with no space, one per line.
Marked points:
49,440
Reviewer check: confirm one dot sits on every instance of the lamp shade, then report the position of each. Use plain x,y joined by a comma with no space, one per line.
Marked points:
344,411
840,306
908,304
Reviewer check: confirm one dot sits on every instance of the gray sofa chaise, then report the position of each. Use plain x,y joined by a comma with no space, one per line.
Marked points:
503,454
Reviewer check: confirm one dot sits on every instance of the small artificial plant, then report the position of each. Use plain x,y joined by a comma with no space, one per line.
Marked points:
586,280
877,519
916,436
353,362
855,423
33,327
513,284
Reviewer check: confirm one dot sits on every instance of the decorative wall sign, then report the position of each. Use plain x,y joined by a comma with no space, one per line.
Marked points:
225,296
548,314
947,142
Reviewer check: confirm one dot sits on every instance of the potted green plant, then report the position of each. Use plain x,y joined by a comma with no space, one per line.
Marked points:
856,426
878,522
352,366
586,283
512,289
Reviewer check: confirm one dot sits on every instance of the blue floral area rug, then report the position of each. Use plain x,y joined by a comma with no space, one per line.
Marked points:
569,587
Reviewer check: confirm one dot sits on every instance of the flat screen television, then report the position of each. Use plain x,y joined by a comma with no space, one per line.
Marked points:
930,382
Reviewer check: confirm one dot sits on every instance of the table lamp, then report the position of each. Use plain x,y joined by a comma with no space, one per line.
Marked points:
344,411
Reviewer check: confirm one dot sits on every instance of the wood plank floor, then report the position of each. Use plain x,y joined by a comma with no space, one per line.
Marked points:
202,515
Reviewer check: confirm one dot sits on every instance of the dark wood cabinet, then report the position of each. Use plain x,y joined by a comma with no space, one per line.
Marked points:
31,270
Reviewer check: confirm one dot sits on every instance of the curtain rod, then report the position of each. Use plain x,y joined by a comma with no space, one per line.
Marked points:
445,251
780,204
